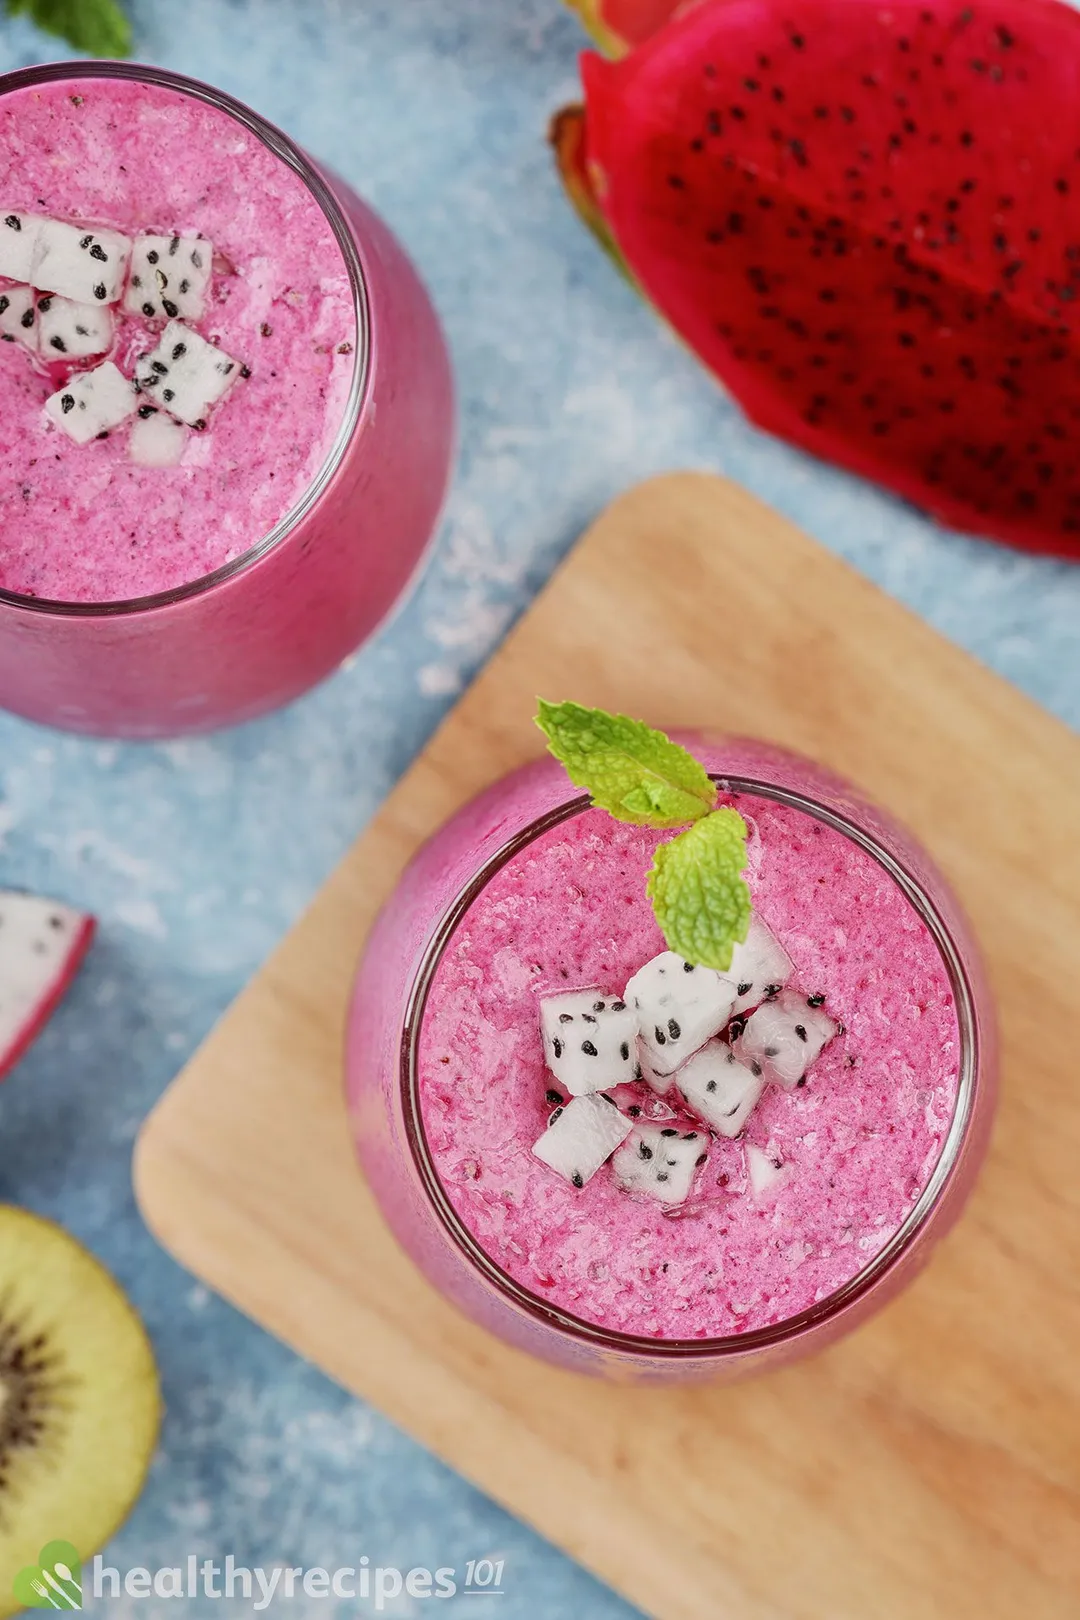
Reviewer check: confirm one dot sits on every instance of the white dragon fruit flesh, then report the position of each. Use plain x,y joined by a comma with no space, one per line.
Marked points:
765,1168
41,947
785,1036
155,439
723,1091
84,264
679,1007
70,331
582,1136
18,244
92,403
660,1160
186,374
660,1083
169,277
590,1040
18,316
759,966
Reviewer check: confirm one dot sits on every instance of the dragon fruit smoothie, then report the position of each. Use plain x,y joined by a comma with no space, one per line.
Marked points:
227,421
779,1225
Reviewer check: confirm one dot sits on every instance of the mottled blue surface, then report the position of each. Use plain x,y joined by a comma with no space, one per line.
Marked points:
197,856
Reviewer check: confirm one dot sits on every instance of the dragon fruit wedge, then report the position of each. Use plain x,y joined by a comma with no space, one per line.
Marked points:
18,316
866,220
41,947
590,1040
661,1161
582,1136
92,403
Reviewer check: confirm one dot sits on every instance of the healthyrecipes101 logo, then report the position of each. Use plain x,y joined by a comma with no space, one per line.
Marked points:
57,1582
54,1582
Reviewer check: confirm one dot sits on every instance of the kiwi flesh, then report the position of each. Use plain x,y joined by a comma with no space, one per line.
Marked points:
80,1404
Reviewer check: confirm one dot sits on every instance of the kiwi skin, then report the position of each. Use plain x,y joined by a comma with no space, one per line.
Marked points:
80,1402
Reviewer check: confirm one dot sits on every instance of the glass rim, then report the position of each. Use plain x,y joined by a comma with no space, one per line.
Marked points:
287,150
733,1345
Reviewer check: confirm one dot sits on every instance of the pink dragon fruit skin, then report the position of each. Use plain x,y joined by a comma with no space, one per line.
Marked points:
866,221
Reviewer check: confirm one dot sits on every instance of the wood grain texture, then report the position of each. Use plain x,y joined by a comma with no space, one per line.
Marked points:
930,1465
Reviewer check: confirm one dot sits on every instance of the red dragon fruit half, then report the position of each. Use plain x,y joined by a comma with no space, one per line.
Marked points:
866,220
42,945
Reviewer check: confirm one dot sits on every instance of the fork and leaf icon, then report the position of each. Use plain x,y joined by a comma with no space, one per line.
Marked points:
54,1582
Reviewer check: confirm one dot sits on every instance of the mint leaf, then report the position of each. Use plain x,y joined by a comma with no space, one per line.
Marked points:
698,893
634,773
96,27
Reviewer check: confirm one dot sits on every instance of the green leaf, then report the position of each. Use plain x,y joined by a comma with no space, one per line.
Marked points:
634,773
96,27
700,898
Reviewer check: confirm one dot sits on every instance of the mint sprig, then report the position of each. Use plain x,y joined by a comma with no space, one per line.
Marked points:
638,775
96,27
634,773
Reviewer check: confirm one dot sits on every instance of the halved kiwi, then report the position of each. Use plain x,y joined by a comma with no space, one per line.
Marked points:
80,1404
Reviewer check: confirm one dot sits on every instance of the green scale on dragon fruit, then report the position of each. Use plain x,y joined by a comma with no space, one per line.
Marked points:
866,221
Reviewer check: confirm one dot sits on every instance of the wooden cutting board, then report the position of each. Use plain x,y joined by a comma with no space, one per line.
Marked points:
927,1467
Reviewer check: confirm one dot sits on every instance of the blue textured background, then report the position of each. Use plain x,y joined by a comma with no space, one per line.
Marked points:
197,856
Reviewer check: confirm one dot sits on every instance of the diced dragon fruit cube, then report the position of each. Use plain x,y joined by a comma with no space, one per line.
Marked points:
18,244
582,1136
70,331
92,403
765,1168
156,440
185,374
18,316
660,1083
786,1036
590,1040
679,1007
661,1161
81,263
169,277
722,1090
760,966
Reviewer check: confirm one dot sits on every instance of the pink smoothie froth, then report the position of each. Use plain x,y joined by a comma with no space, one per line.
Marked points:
860,1140
85,523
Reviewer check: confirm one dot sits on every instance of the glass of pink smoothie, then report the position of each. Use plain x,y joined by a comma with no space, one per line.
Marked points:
802,1216
190,567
